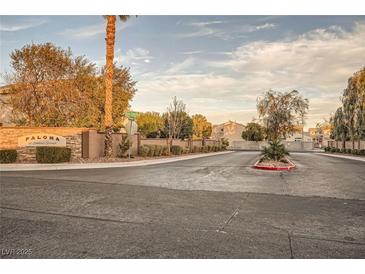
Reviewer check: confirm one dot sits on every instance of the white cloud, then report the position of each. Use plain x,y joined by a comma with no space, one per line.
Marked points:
91,30
133,56
317,63
265,26
322,58
252,28
213,29
26,24
182,66
84,32
192,52
204,24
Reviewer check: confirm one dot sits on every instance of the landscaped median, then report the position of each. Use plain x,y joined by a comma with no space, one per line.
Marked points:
274,157
93,165
289,165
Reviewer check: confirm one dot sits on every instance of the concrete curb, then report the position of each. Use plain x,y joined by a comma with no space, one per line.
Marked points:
343,156
256,166
68,166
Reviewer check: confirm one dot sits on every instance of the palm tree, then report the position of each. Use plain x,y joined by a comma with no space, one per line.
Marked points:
110,41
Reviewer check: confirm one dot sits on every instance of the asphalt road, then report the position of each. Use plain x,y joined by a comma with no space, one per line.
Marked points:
213,207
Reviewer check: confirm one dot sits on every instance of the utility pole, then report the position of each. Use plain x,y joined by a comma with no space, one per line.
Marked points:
302,132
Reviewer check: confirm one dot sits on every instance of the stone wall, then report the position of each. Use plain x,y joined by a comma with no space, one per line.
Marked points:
178,142
252,145
348,144
9,139
84,142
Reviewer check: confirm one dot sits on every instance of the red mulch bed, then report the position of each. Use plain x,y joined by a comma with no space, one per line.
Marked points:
273,165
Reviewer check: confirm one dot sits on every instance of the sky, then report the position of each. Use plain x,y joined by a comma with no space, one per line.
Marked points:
218,65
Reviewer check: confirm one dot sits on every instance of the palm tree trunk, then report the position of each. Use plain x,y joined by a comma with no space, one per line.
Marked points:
108,118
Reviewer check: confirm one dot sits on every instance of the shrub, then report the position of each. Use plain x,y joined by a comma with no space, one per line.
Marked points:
333,149
196,149
144,150
151,151
8,156
205,149
349,150
327,149
225,144
53,154
124,146
362,151
176,150
342,150
158,150
209,147
165,151
275,151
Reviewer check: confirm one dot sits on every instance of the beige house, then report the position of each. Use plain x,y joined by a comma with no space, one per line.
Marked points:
232,131
321,135
297,137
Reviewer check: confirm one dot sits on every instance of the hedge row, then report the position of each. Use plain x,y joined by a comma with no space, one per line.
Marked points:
153,150
157,150
43,155
345,150
53,154
8,156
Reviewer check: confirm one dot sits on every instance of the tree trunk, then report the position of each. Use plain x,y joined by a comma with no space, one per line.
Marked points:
108,118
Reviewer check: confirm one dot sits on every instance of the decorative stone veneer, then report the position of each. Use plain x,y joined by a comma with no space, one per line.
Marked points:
9,140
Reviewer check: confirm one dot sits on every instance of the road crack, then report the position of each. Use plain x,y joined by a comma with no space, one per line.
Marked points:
234,214
221,229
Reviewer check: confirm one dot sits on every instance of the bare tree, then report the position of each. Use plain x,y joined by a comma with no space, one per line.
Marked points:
175,119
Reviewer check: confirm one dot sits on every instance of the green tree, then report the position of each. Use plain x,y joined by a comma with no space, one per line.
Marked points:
50,87
339,130
282,112
201,127
348,122
150,124
253,132
187,127
360,109
353,102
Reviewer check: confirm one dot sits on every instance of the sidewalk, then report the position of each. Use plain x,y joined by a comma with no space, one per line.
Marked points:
66,166
356,158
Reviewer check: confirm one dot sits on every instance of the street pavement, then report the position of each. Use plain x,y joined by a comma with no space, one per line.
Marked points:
212,207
